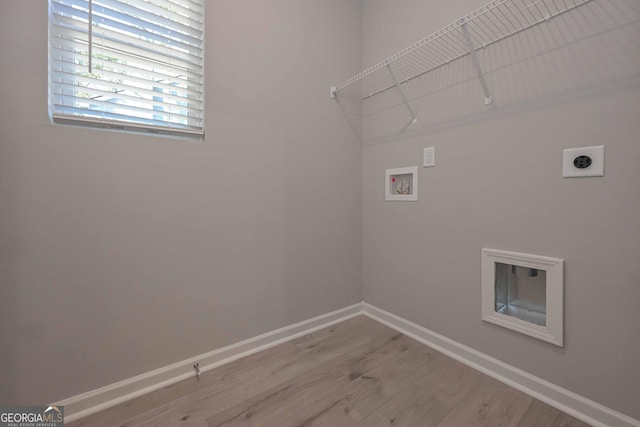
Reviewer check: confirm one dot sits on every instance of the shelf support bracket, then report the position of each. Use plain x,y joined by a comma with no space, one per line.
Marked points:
414,119
332,92
476,63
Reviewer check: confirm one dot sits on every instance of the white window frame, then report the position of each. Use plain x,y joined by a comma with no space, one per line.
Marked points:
108,58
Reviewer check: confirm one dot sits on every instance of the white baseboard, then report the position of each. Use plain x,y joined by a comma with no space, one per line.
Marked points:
85,404
566,401
571,403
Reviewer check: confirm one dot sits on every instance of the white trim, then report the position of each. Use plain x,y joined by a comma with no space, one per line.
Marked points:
552,332
105,124
566,401
411,197
88,403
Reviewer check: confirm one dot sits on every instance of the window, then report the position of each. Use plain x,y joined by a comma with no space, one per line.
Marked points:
135,65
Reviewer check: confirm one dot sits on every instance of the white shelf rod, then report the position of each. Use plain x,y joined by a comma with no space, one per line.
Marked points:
416,46
414,119
476,62
443,33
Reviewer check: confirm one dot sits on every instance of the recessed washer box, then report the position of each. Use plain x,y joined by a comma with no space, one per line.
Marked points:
524,293
582,162
401,184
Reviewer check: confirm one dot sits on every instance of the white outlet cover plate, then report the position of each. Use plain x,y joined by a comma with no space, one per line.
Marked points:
597,162
429,157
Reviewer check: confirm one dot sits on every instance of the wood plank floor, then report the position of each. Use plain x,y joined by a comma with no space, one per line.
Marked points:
355,373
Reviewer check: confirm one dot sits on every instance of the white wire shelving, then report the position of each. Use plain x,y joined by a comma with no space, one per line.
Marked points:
483,27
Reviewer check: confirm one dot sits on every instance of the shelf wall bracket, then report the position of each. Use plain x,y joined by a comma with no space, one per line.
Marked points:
414,119
332,92
474,57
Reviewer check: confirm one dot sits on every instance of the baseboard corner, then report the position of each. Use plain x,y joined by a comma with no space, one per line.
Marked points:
560,398
93,401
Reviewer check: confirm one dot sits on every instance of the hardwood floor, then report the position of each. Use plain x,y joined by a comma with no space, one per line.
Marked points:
356,373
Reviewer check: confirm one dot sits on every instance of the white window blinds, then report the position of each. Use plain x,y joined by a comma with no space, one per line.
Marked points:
134,65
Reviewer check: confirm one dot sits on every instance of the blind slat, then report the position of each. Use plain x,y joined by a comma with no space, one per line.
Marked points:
147,65
66,58
162,8
126,96
163,24
125,49
94,100
110,107
144,32
65,72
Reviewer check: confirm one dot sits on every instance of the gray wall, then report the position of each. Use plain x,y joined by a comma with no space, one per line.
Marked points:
497,184
122,253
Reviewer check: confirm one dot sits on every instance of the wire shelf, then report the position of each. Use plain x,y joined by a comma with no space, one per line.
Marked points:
485,26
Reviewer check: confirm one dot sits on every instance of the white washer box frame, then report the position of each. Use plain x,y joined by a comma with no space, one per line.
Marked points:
411,170
552,332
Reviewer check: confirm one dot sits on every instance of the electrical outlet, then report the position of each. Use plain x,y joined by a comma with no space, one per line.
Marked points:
581,162
429,157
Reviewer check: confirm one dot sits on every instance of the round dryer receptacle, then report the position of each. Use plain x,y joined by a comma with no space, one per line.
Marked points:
582,162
